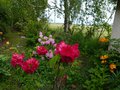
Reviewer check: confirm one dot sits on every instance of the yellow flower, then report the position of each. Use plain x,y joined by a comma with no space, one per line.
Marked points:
7,42
1,33
103,61
104,57
112,66
103,40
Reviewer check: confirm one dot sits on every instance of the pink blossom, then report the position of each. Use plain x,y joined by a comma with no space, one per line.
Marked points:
45,37
67,52
55,45
50,36
17,59
41,35
49,54
30,66
52,40
41,50
39,40
42,42
47,42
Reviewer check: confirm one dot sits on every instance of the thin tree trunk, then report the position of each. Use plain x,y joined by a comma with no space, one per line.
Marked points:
66,17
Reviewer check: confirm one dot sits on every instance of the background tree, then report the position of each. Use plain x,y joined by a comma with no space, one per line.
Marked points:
4,15
24,10
69,9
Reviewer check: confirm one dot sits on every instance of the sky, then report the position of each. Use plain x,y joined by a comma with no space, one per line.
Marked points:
55,19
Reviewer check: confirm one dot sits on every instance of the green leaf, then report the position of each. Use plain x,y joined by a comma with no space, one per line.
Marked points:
54,60
38,84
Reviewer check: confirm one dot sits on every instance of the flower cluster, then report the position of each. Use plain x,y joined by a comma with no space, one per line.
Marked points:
104,59
29,66
17,60
103,40
46,48
68,53
112,67
41,50
44,40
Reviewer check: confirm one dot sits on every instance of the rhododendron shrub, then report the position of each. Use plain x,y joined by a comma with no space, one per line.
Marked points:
17,59
45,47
30,65
68,53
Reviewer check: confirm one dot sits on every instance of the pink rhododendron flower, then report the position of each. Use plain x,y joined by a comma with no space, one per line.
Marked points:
55,45
49,54
41,50
39,40
41,36
40,33
17,59
52,40
42,42
67,52
50,36
30,66
45,37
47,42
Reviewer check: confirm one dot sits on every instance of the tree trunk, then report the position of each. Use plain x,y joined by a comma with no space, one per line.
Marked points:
116,26
66,17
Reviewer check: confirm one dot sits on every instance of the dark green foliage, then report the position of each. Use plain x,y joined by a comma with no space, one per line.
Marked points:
4,16
4,67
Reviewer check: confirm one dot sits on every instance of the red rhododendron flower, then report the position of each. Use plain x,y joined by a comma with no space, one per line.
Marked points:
17,59
41,50
67,52
30,65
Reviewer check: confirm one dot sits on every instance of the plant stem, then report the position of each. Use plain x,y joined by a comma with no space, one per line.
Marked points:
56,85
